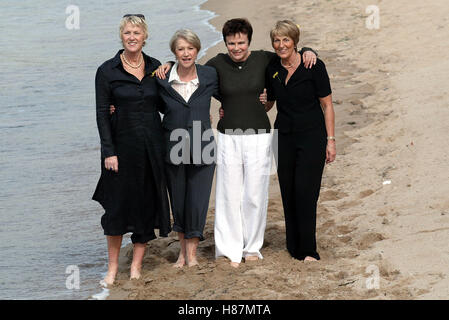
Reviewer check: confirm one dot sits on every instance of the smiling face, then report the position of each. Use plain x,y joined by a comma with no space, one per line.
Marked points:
238,46
133,38
284,46
185,53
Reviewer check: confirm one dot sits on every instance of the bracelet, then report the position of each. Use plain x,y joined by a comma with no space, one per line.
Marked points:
331,138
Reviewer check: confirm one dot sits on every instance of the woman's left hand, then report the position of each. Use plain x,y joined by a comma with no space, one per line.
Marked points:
331,151
263,96
162,70
309,59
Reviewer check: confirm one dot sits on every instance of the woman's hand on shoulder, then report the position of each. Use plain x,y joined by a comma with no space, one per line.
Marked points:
309,59
263,96
162,70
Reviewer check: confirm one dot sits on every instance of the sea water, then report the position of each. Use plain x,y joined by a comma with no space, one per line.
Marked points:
50,232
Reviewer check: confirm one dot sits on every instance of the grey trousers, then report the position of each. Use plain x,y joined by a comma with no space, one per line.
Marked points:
189,187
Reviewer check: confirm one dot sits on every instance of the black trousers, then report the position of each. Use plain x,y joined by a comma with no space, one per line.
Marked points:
301,157
189,187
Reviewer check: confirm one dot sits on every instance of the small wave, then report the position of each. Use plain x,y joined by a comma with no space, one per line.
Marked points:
12,127
209,25
101,295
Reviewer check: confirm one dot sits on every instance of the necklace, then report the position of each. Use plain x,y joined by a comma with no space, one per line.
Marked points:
129,64
239,64
291,64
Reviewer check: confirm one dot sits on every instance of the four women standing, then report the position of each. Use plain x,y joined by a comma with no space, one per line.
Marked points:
134,197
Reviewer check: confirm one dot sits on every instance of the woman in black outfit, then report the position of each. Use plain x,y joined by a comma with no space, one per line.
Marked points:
132,187
305,124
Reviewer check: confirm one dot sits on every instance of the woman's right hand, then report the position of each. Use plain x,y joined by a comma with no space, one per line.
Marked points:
331,151
111,163
162,70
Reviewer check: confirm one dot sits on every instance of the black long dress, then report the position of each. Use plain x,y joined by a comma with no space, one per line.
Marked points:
134,199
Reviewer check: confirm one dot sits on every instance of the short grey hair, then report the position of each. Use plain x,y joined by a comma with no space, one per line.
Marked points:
188,35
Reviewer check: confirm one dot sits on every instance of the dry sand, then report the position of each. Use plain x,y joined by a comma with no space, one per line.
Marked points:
392,112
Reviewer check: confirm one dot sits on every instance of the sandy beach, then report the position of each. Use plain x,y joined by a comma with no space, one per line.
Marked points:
383,214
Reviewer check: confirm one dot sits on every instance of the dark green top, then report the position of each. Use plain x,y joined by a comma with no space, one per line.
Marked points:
240,87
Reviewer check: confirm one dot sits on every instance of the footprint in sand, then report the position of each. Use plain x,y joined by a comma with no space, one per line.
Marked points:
332,195
207,250
345,229
369,239
343,233
365,193
349,204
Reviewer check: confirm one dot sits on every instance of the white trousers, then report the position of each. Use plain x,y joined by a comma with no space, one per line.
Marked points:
242,181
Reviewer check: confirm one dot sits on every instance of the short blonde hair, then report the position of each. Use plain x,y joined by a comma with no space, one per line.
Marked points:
188,35
285,28
135,21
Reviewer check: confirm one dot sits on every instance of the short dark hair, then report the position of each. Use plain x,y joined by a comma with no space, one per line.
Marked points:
239,25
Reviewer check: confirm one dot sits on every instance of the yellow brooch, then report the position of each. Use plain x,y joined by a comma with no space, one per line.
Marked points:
276,75
153,73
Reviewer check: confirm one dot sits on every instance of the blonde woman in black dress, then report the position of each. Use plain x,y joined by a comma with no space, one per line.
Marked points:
132,187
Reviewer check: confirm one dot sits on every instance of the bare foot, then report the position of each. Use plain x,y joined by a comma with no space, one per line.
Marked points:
234,264
192,263
135,273
108,280
309,259
251,258
110,276
180,262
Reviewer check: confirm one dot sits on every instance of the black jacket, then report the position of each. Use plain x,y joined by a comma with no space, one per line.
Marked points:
192,118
